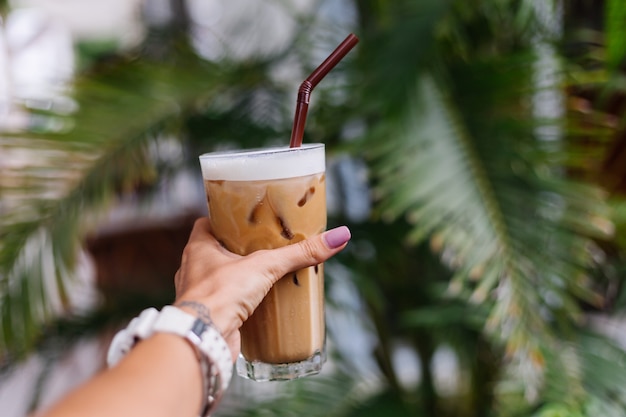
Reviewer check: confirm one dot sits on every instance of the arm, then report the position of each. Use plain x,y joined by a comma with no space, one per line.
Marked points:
161,375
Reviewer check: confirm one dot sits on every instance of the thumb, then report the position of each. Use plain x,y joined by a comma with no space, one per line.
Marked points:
309,252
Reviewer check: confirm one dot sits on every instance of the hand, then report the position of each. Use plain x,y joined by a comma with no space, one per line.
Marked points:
232,286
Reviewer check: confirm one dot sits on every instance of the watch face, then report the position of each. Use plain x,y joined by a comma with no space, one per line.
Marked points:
198,327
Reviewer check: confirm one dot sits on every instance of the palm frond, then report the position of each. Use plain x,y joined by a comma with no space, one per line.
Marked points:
495,206
602,362
599,362
71,175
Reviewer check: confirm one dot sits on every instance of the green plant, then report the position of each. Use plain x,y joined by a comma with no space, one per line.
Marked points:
491,233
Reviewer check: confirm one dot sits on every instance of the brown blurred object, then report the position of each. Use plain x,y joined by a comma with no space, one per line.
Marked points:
605,114
595,107
140,259
614,168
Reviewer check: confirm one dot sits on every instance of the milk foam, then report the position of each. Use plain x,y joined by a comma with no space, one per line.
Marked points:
264,164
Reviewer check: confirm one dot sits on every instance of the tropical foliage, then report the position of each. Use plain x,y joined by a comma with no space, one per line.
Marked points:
482,126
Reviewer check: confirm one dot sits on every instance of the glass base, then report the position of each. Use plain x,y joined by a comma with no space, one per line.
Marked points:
261,371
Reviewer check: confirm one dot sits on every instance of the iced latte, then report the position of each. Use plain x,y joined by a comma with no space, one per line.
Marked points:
265,199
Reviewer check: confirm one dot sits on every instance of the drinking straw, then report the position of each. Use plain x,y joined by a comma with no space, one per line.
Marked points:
304,92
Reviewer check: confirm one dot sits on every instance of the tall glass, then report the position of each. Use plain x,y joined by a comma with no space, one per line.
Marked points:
264,199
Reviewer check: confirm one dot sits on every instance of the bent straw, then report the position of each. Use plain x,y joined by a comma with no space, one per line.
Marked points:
304,92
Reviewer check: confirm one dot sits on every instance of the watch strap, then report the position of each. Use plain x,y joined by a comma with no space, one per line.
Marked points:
203,335
139,328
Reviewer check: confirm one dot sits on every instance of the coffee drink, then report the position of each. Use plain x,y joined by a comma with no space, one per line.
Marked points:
266,199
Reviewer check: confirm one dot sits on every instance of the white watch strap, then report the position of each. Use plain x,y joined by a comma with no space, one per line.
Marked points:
210,342
173,320
214,345
139,328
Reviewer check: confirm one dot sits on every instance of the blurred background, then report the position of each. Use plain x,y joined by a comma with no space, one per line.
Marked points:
476,149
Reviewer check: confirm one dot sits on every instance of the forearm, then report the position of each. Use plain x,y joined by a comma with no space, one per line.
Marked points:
161,376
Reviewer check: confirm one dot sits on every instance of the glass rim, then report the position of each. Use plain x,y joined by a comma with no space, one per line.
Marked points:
260,151
264,163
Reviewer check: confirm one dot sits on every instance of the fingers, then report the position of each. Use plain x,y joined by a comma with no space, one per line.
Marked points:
309,252
273,263
201,229
201,233
337,237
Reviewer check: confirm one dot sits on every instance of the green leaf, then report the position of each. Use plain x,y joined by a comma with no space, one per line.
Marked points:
491,198
615,21
73,175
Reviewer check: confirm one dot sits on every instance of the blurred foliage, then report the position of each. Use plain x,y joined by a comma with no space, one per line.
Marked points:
493,232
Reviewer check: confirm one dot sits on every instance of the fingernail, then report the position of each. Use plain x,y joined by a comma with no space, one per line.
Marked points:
337,237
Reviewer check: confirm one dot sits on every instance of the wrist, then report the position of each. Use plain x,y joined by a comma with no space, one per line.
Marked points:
217,315
196,309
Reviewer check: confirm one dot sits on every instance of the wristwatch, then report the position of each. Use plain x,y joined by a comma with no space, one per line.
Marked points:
211,348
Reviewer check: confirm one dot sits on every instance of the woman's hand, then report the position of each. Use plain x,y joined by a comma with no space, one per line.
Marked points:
232,286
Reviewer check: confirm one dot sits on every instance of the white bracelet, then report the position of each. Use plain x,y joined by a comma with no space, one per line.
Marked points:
215,357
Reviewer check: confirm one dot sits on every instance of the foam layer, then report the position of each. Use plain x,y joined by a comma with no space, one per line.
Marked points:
264,164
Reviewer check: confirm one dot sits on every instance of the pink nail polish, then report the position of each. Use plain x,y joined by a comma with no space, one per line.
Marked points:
337,237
